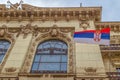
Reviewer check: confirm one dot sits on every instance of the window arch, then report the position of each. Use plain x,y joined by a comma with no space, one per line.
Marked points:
50,57
4,45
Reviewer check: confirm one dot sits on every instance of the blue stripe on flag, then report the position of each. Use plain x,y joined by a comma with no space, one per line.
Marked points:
91,35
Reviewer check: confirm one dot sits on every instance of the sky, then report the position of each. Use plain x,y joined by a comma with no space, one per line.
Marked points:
110,8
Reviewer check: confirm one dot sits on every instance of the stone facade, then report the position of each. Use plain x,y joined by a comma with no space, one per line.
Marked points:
28,27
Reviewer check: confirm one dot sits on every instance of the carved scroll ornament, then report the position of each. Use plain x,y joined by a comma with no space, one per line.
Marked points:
10,69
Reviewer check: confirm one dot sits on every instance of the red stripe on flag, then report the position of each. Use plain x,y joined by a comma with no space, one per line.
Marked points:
105,30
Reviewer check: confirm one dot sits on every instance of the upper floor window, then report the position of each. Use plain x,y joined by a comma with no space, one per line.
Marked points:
50,57
4,45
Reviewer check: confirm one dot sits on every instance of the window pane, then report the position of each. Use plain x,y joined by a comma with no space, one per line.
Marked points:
4,45
35,66
64,58
37,58
1,58
63,66
50,58
49,66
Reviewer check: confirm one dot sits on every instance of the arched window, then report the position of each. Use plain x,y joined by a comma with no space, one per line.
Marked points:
4,45
50,57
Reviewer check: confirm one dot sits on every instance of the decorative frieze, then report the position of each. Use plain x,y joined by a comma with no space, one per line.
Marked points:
114,26
43,14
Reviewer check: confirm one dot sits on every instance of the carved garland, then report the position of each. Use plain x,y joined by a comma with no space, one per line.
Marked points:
45,34
7,35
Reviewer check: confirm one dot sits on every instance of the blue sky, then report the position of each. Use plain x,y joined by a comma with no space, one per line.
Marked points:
110,8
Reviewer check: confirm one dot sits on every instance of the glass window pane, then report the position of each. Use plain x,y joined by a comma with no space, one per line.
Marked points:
37,58
4,45
50,58
1,58
49,66
63,66
64,58
35,66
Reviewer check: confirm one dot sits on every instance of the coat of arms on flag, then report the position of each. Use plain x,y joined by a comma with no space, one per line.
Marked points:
93,36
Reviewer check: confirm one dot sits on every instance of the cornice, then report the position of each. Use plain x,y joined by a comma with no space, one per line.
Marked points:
110,48
58,13
114,26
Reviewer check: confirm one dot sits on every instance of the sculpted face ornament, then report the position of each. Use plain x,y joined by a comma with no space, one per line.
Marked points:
2,32
97,36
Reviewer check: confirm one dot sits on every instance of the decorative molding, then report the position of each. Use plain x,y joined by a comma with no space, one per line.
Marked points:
10,69
27,29
7,35
32,13
4,33
84,25
90,69
114,26
52,33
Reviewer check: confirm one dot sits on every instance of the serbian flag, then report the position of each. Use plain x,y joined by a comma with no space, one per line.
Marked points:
101,37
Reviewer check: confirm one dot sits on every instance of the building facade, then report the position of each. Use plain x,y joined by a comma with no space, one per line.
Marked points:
37,44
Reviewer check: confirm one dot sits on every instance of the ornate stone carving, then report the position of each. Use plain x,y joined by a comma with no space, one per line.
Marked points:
3,31
84,25
53,32
114,26
10,69
8,35
25,30
90,69
36,13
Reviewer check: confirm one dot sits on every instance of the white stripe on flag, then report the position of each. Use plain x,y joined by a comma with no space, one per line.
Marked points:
91,41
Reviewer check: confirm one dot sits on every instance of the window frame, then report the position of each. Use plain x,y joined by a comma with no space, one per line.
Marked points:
42,54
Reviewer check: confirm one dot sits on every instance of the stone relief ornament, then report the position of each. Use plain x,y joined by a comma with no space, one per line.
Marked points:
25,30
5,33
3,30
90,69
84,25
10,69
54,31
